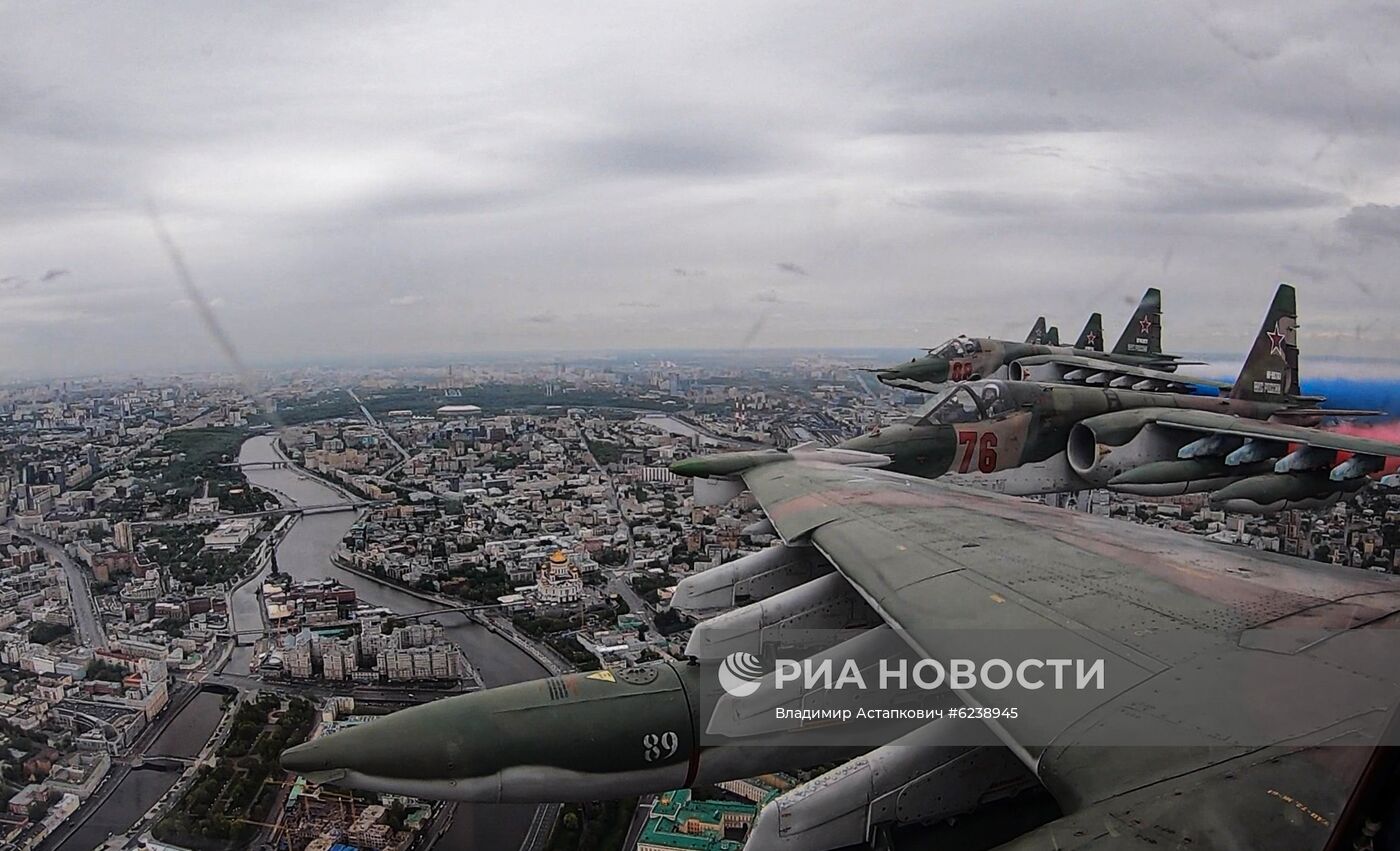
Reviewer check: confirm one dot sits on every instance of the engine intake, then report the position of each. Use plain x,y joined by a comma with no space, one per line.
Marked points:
1108,445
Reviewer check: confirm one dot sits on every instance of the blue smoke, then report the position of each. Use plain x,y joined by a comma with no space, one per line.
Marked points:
1368,393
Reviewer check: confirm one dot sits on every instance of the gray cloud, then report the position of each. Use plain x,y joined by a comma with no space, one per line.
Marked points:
1171,194
1305,272
1178,194
1372,223
941,119
675,151
969,202
506,163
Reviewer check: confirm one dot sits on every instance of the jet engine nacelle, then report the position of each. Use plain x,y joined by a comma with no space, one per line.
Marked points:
826,603
1102,447
928,775
717,491
1030,371
754,577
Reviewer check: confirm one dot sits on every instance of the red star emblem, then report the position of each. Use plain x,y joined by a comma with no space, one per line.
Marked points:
1276,339
1091,338
1145,324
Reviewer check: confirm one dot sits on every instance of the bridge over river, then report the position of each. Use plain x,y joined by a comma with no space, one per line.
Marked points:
303,510
305,554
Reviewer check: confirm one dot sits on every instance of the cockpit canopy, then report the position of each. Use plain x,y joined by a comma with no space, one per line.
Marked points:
968,402
958,347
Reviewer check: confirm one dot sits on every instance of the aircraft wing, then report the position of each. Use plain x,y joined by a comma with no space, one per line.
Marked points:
1231,677
1079,369
1210,422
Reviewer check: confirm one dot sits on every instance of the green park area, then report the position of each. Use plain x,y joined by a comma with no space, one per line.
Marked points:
48,633
605,452
489,397
223,805
594,826
180,467
647,585
199,456
181,552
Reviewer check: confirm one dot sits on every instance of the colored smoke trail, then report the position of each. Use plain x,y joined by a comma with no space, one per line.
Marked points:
1388,431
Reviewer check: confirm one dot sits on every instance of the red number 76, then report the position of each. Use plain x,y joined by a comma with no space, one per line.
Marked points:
986,457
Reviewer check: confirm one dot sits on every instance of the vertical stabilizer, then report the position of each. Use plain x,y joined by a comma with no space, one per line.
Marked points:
1143,334
1270,371
1037,334
1091,338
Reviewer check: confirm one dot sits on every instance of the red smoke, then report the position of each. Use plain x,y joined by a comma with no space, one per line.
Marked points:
1388,432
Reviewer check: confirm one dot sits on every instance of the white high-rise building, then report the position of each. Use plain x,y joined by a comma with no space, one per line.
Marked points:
124,536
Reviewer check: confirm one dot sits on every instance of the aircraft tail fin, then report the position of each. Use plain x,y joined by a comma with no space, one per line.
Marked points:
1143,334
1052,335
1037,334
1092,336
1270,371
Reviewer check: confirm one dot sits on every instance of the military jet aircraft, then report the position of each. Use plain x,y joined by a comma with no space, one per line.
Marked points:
1243,695
1091,338
1254,450
1136,361
1038,333
1042,336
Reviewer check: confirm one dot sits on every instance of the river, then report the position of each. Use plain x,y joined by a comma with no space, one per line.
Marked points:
138,790
305,554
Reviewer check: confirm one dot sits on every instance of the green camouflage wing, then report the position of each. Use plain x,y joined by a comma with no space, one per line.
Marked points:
1206,683
1120,370
1211,422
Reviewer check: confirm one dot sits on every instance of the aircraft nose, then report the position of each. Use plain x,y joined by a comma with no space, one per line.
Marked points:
391,746
929,370
421,741
861,443
313,756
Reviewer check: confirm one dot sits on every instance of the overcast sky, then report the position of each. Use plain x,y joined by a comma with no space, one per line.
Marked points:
393,179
